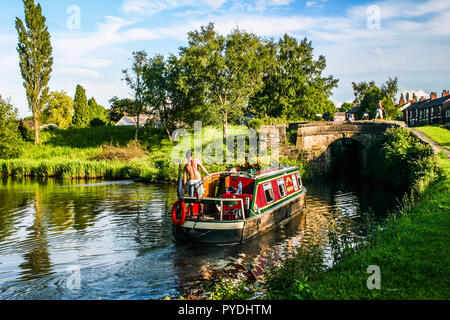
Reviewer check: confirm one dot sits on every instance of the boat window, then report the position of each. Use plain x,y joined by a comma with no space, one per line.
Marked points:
295,181
299,179
268,191
282,187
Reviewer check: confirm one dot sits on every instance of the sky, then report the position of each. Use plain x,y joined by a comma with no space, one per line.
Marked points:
361,40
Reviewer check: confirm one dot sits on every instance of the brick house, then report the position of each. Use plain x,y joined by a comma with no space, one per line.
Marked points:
429,111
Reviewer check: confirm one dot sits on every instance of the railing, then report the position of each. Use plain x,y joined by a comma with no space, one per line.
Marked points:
222,202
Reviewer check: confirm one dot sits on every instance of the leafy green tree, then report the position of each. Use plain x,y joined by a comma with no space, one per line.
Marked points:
97,112
369,104
390,88
135,80
80,109
360,88
346,106
294,87
228,69
156,93
119,107
35,56
58,110
10,138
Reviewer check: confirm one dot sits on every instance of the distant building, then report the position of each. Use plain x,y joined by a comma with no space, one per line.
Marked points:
428,111
129,121
340,116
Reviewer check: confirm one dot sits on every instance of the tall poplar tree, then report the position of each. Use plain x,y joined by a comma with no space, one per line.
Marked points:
80,109
35,56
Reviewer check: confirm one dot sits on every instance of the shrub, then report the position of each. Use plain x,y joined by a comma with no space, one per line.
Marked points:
400,159
115,152
10,138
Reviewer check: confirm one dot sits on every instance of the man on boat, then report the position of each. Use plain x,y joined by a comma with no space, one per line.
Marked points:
195,184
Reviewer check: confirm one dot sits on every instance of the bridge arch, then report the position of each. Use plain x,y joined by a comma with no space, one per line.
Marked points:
315,138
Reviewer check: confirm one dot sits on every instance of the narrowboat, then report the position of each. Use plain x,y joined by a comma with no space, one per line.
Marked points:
238,204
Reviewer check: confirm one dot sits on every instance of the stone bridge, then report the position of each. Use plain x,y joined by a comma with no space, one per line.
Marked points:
315,138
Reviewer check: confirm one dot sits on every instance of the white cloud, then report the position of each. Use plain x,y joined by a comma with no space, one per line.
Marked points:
79,71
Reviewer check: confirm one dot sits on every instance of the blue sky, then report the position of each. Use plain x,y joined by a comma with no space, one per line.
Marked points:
361,40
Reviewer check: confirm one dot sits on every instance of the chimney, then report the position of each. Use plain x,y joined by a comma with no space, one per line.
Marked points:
433,96
444,93
422,99
401,102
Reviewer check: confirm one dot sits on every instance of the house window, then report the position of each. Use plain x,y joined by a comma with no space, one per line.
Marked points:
299,180
295,182
282,187
268,191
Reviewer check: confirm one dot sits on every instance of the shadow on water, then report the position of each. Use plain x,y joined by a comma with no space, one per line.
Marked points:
119,236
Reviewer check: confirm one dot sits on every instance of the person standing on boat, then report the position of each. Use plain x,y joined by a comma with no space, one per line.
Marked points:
195,184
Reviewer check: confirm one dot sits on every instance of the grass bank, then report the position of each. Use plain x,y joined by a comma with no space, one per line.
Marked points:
438,134
411,250
99,153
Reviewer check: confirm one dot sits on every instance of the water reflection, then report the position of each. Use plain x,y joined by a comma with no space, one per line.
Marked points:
119,234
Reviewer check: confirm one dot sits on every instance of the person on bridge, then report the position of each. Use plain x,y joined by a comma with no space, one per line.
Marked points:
379,110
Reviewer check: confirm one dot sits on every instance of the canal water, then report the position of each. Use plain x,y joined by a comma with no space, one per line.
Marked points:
112,240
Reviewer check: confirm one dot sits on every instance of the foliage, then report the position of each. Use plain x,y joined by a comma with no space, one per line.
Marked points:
294,87
346,106
10,138
400,159
96,111
115,152
35,56
368,95
227,69
26,132
228,289
80,109
119,107
289,280
58,110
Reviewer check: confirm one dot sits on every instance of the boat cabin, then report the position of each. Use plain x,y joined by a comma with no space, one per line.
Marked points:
241,194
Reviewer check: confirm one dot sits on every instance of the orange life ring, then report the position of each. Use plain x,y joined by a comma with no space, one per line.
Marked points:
175,206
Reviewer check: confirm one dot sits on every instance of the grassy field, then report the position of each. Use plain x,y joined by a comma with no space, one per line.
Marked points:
439,134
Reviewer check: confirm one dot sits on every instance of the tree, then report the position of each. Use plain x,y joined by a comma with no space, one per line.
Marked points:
58,110
97,112
135,80
369,104
10,138
360,88
119,107
390,88
228,69
36,61
346,106
80,109
294,87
